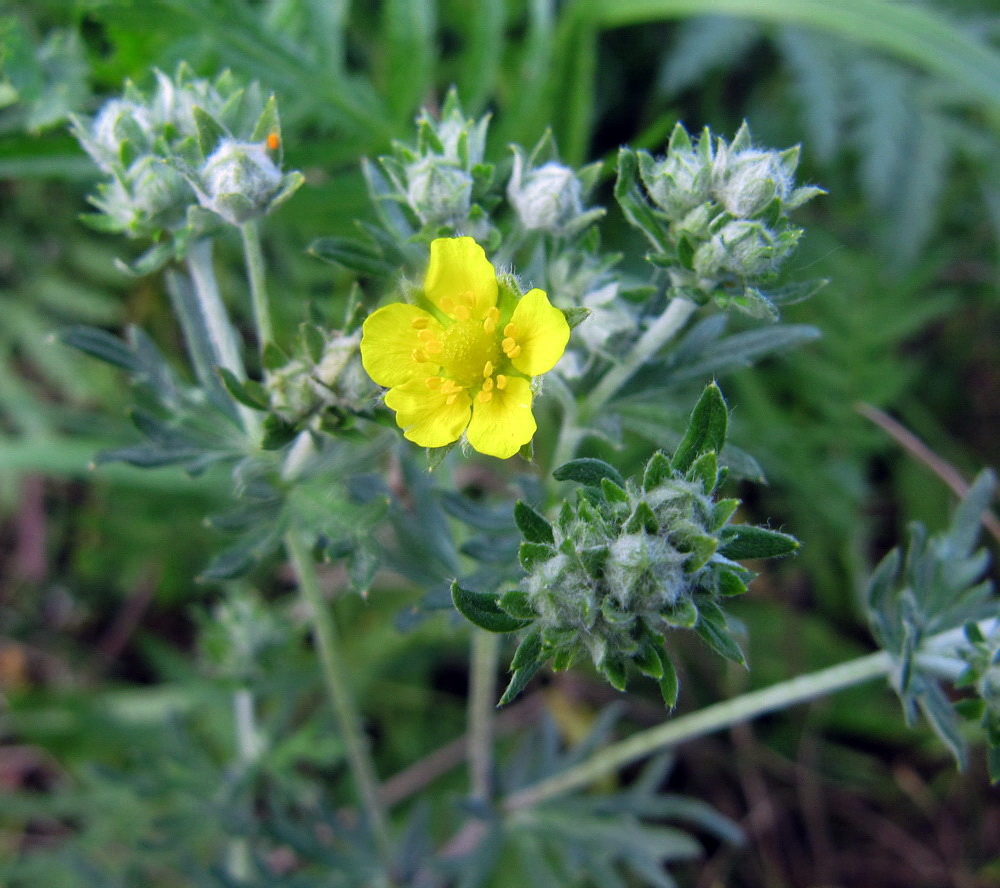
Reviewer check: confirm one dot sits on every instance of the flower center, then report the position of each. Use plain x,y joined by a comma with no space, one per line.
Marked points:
466,347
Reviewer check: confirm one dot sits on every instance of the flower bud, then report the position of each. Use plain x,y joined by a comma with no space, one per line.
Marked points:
239,180
751,249
752,179
679,182
548,198
438,191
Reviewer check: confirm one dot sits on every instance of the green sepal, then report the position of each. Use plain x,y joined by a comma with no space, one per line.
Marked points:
314,341
730,583
741,541
973,633
588,471
248,392
702,548
614,670
722,511
648,659
614,494
705,470
277,432
532,525
706,429
268,122
516,603
210,131
273,357
972,708
683,615
614,616
714,631
528,659
532,554
483,610
576,315
670,685
642,519
594,560
658,470
564,658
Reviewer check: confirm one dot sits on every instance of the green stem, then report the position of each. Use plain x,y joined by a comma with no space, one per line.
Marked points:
248,750
335,675
482,708
697,724
221,335
664,328
254,257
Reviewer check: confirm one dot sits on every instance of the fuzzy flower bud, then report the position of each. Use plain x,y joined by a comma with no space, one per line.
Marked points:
751,179
548,198
438,191
678,182
239,180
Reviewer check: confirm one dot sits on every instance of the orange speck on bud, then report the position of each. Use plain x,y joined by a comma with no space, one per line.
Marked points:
274,141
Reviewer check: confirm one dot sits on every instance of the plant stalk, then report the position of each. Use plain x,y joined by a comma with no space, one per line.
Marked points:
335,676
481,712
254,256
221,335
705,721
664,328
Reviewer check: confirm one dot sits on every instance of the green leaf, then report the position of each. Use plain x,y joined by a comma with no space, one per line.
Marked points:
669,683
614,670
642,519
713,630
741,541
658,470
613,493
532,525
210,131
633,202
705,470
277,432
706,429
722,511
576,316
528,652
531,554
352,254
730,583
516,603
483,610
250,394
588,471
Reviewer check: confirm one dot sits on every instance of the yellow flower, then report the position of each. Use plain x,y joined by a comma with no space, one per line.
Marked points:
462,360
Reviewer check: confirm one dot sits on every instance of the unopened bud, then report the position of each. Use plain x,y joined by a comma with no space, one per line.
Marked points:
239,180
439,192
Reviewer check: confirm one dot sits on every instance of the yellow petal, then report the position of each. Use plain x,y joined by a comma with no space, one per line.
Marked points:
504,423
424,414
459,274
388,341
542,333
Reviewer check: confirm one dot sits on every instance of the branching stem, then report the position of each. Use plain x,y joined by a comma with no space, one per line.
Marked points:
335,676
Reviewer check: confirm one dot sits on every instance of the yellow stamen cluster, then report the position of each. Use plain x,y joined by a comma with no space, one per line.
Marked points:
509,344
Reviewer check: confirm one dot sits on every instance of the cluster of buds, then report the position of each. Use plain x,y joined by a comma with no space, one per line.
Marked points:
982,676
441,178
716,212
547,195
191,143
628,561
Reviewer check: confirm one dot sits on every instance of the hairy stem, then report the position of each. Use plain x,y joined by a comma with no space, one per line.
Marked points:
254,257
482,709
705,721
221,335
663,329
248,749
335,676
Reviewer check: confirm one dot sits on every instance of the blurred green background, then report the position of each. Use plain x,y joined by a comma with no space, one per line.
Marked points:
897,108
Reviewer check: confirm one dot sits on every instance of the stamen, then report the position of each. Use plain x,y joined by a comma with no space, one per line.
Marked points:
433,382
462,313
511,331
485,397
420,323
451,399
434,347
510,347
425,335
488,369
490,321
418,355
488,385
501,381
447,305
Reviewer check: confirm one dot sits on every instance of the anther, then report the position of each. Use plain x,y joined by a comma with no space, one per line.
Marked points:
461,313
433,382
501,381
488,370
490,321
434,347
485,397
420,323
273,141
488,385
511,330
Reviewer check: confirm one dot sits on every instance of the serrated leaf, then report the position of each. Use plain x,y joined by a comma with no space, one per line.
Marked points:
534,527
706,429
741,541
483,610
589,472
